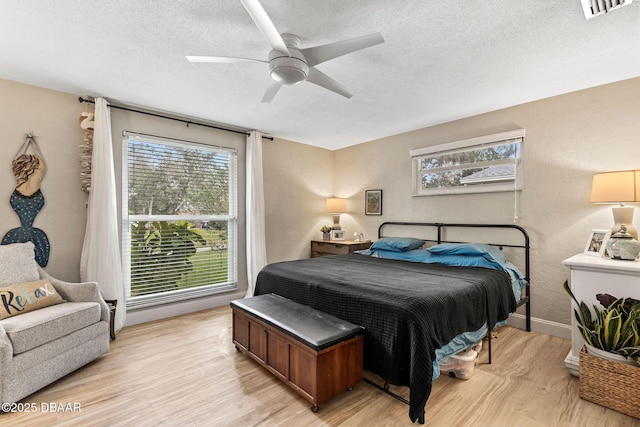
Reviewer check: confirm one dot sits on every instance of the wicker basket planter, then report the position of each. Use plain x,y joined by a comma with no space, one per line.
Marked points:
610,384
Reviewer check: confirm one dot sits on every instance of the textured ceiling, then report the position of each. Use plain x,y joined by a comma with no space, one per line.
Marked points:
442,59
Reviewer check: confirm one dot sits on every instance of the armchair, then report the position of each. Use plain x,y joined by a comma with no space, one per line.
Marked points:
40,346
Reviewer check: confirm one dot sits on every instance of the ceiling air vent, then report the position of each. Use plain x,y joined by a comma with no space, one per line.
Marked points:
594,8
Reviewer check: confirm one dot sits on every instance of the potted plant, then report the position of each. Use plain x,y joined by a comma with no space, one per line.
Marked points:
615,328
326,232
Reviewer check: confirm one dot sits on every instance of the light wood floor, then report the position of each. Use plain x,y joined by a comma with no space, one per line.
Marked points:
185,371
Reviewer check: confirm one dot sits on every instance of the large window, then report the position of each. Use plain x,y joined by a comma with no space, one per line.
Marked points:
179,219
484,164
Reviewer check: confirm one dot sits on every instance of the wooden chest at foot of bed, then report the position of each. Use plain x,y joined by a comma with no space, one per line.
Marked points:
316,354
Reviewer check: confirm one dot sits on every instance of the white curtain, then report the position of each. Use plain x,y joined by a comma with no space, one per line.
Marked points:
100,261
256,245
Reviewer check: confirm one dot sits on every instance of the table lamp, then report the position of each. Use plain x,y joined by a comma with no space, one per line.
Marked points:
618,187
336,206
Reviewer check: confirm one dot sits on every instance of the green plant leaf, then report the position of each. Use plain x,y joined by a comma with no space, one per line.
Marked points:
611,330
615,328
617,305
634,326
583,315
630,352
588,336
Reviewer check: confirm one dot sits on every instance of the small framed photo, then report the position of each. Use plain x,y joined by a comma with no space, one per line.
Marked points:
597,242
337,234
373,202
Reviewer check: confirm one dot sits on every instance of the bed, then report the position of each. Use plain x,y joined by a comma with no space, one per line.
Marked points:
415,309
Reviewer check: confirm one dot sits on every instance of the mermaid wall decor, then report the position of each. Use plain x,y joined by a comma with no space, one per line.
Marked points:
27,199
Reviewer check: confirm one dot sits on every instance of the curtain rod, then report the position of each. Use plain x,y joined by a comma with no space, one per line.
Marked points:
187,122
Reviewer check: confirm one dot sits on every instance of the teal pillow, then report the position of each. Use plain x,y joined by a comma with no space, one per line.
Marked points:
397,244
481,249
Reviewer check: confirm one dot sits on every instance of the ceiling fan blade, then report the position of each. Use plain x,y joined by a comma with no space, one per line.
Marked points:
319,54
265,25
271,92
321,79
221,59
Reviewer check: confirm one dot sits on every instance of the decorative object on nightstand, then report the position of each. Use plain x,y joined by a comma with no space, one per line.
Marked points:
597,242
336,206
337,234
623,246
326,232
618,187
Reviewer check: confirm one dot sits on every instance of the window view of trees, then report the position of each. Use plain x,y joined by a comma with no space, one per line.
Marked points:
471,166
179,204
161,254
166,180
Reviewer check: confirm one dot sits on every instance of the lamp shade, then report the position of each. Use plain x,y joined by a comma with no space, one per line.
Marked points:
616,187
336,206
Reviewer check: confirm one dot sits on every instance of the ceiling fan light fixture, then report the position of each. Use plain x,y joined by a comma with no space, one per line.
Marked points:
288,70
288,75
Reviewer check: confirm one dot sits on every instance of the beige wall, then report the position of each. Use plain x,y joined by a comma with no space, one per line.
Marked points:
53,118
568,138
297,180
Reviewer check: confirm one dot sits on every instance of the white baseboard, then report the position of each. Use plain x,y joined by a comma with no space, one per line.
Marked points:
148,314
540,325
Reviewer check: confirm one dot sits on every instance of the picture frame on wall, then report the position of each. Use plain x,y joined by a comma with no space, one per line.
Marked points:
373,202
337,234
597,242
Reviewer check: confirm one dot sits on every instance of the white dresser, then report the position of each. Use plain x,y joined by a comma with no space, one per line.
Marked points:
597,275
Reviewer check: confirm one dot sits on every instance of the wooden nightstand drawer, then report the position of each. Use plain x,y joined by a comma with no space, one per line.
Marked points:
329,248
322,247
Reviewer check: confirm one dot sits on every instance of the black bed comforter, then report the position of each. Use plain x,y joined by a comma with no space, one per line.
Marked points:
408,309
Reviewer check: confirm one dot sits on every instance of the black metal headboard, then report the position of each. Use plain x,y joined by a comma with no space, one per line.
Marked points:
523,243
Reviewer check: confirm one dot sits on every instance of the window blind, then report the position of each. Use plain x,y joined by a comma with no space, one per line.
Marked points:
179,219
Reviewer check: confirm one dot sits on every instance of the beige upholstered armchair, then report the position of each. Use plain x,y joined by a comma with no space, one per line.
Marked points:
48,328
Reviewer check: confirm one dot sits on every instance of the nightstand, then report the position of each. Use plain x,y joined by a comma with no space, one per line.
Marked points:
336,247
597,275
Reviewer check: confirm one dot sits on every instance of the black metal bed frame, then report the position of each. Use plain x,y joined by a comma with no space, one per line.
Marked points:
526,300
440,228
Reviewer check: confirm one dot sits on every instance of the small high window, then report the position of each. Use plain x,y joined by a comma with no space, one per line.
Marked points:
488,163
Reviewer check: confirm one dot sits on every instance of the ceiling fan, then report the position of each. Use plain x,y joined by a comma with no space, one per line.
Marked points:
288,63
